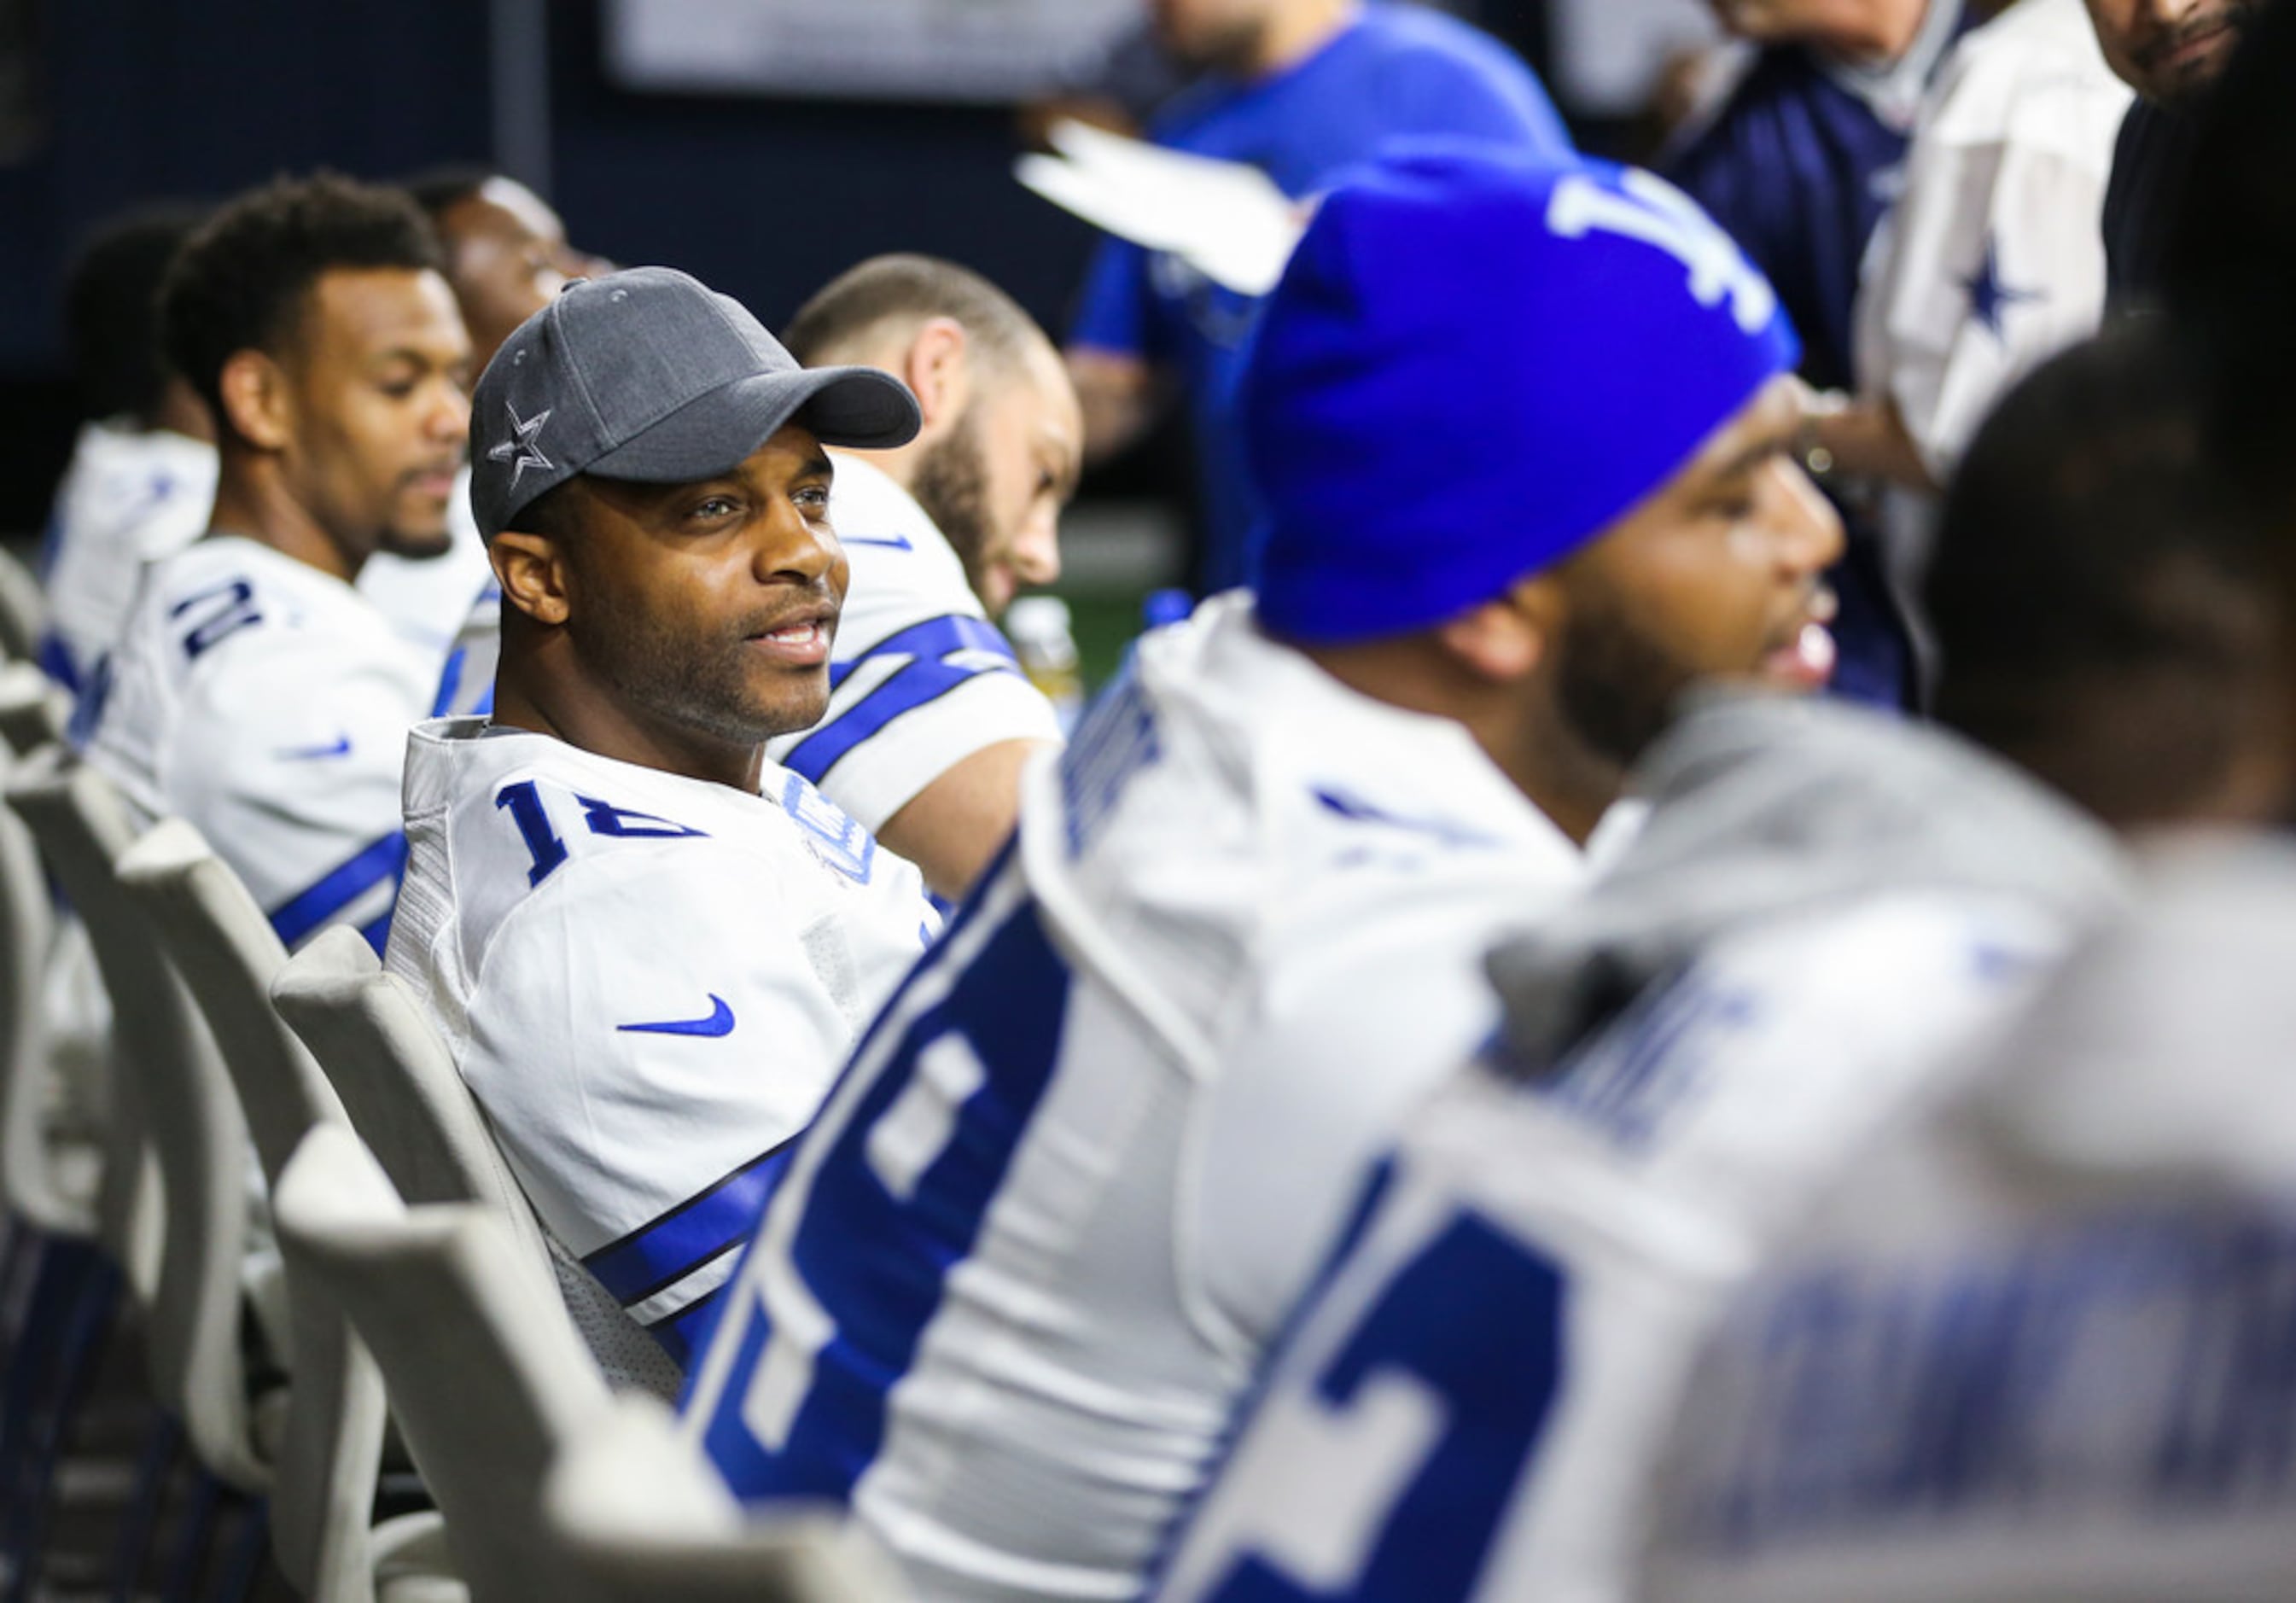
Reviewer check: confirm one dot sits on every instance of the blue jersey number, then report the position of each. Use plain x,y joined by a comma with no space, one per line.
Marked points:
547,848
883,1200
1450,1376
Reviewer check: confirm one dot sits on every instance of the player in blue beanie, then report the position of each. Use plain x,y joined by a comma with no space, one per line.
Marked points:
1524,433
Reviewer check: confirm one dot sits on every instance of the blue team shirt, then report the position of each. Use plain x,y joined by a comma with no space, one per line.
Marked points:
1800,168
1397,71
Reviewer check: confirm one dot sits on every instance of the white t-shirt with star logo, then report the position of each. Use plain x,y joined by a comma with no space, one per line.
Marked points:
1992,261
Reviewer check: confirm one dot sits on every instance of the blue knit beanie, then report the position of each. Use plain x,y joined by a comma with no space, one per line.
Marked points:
1475,363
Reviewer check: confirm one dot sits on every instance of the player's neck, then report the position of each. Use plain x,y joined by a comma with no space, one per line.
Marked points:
1882,33
1296,32
252,500
1535,749
542,686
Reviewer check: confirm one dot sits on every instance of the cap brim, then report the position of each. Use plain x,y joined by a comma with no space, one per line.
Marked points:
860,408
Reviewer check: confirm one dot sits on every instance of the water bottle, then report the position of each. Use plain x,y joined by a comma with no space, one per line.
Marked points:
1044,638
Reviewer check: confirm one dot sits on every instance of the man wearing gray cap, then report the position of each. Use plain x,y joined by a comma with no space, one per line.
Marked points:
649,947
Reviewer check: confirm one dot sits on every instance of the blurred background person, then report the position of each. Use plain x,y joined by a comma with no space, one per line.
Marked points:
506,256
1302,89
1990,262
1798,161
253,690
931,720
2171,52
142,473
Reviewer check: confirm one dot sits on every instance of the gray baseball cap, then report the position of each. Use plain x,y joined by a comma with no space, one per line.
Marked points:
649,375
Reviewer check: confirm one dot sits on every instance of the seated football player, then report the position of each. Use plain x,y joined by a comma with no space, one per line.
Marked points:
254,691
930,718
649,947
933,721
1524,434
1825,921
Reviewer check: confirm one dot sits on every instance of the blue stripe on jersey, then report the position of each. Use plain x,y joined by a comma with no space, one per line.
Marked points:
377,930
658,1255
450,681
884,1217
934,638
56,661
928,676
684,1333
301,915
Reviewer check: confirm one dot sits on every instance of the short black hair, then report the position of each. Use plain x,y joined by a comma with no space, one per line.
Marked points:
241,281
905,288
438,189
111,309
2100,588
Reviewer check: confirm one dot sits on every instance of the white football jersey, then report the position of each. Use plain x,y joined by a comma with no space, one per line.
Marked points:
920,679
1792,951
1018,1273
130,496
268,703
428,598
1992,259
2036,1344
648,982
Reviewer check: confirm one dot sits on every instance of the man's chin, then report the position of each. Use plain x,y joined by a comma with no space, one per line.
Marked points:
420,546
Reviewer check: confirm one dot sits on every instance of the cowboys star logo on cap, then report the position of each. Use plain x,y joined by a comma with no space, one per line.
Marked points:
528,454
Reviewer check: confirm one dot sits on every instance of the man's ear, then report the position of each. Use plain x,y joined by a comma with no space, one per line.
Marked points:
255,402
1507,637
937,370
532,573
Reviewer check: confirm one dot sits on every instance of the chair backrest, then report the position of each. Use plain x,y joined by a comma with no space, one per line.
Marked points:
84,826
228,955
28,1184
485,1393
35,712
645,1520
23,608
398,1083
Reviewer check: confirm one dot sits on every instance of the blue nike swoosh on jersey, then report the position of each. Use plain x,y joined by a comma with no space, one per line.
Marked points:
720,1021
899,542
341,748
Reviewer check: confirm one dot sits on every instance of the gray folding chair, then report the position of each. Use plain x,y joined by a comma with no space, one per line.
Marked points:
23,608
163,1048
487,1383
645,1520
405,1096
225,950
35,712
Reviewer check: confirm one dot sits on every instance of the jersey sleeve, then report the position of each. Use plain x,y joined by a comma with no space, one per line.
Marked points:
929,683
287,758
1480,94
646,1039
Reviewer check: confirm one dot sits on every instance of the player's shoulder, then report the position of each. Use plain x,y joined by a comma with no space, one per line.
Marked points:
2032,75
904,571
226,600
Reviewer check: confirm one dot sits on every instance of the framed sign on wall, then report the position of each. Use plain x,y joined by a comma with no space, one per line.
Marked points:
964,50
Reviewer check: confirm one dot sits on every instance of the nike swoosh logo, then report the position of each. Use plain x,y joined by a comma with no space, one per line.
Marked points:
899,542
719,1022
341,748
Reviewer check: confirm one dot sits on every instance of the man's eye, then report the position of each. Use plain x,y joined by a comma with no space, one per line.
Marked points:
717,506
814,498
399,389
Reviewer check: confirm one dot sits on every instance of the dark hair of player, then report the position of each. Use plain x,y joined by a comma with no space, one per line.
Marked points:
2099,585
906,289
241,281
111,310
